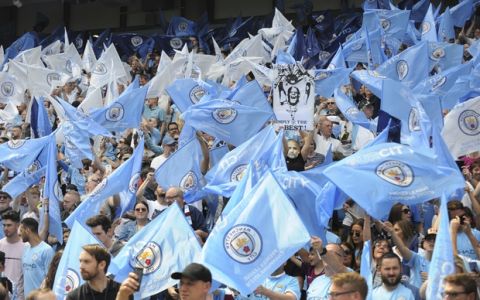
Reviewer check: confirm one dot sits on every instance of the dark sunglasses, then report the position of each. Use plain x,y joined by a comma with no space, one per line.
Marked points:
140,209
406,210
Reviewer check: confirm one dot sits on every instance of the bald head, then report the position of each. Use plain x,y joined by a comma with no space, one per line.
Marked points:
174,194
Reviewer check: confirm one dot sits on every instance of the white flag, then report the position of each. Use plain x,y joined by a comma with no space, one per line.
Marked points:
89,60
103,67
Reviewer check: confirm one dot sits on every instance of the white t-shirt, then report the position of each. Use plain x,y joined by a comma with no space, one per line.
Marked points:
158,161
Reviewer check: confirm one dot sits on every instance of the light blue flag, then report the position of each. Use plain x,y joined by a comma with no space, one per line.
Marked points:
393,22
217,152
223,177
375,55
442,263
39,122
412,36
474,48
445,55
52,191
227,120
461,12
255,238
371,79
187,133
428,27
187,91
433,108
67,277
251,94
284,58
365,267
128,196
446,32
182,169
463,85
123,113
165,245
410,66
124,177
19,155
377,176
351,111
354,49
326,81
338,61
441,83
381,138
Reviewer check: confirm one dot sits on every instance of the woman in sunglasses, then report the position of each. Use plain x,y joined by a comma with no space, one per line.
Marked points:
126,230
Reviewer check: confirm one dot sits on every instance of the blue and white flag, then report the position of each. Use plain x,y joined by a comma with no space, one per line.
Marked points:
446,32
428,27
187,91
445,55
371,79
124,178
254,239
223,177
393,22
442,263
351,111
461,12
182,169
251,94
19,155
25,42
39,122
12,89
338,61
462,128
365,267
180,26
123,113
52,191
68,277
227,120
165,245
410,66
217,152
326,81
379,175
441,83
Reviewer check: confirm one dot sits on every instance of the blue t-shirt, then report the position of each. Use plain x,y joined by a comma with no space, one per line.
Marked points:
417,264
154,113
320,287
401,292
35,263
280,284
464,246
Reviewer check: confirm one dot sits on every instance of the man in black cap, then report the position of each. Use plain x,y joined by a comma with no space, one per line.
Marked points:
195,282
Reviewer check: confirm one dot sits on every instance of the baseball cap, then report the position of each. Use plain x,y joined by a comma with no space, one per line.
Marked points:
194,271
168,140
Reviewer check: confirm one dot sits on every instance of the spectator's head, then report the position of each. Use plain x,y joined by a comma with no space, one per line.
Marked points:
356,232
28,229
102,228
92,182
325,127
339,254
94,262
16,132
348,286
460,287
141,210
174,194
429,242
349,257
41,294
455,209
468,217
380,247
404,229
71,200
169,144
399,212
11,222
152,102
195,282
5,200
390,267
293,149
173,129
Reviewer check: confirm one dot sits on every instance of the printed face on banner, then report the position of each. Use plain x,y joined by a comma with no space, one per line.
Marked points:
294,97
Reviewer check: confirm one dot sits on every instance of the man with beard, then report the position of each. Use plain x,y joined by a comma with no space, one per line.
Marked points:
391,287
37,256
94,262
12,246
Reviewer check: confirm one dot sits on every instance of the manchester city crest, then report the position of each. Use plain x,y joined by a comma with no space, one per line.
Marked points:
438,82
469,122
395,172
51,77
413,120
78,42
182,26
402,69
196,93
189,181
357,45
115,113
15,144
385,24
243,243
426,26
149,258
72,281
437,54
322,75
224,115
176,43
99,69
238,173
68,66
323,55
320,18
7,88
352,111
133,183
136,41
34,167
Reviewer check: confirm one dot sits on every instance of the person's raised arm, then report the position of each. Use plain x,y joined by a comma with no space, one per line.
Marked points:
404,251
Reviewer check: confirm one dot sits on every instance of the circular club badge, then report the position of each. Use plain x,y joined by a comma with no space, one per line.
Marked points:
237,173
149,258
395,172
72,281
469,122
243,243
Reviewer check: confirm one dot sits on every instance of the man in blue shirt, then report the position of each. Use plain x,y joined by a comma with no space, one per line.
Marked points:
276,285
391,287
152,110
37,255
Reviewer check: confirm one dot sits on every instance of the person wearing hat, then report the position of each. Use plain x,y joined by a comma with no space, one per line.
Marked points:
169,145
195,283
